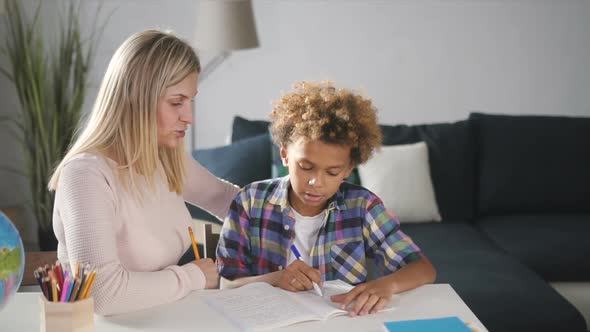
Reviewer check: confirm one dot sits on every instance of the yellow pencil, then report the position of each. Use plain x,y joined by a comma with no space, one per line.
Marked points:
91,282
54,290
194,244
87,283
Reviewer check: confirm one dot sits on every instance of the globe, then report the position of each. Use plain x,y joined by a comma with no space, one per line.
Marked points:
12,260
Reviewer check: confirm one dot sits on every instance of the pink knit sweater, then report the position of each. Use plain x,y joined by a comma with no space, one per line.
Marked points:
134,246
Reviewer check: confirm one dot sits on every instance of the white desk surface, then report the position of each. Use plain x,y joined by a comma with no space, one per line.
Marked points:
192,314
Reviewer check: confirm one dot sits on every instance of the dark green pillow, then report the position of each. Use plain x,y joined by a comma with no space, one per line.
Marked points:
243,128
241,163
229,162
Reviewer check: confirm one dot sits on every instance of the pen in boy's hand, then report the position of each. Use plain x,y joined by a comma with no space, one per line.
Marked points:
316,287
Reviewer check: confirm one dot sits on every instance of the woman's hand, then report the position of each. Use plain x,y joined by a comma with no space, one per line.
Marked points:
298,276
366,298
209,269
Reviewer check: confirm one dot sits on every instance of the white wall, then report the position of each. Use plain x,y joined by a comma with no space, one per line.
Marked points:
420,61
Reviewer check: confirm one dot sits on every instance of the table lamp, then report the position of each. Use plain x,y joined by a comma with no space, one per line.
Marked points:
223,26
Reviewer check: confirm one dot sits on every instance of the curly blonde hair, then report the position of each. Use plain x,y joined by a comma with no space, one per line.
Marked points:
319,111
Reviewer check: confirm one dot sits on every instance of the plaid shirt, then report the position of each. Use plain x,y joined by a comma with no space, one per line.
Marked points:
259,230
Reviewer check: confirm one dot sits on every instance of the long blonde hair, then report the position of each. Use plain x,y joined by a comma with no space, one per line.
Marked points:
123,119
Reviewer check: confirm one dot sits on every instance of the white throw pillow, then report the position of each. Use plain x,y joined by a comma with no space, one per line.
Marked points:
400,176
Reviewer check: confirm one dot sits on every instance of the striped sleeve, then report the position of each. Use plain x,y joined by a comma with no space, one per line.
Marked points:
233,249
391,247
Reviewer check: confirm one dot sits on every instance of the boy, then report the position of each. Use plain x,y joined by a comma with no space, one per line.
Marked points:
323,133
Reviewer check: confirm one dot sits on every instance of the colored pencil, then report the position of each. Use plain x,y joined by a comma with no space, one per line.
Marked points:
193,243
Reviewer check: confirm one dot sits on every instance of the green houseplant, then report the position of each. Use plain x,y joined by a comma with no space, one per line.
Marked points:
51,84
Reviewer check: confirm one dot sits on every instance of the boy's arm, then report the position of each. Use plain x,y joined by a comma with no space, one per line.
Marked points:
373,296
414,274
395,251
233,249
384,239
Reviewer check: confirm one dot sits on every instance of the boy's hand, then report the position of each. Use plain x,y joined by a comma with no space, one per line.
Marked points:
368,298
298,277
209,269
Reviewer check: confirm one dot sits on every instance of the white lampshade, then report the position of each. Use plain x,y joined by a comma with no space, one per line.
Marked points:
225,25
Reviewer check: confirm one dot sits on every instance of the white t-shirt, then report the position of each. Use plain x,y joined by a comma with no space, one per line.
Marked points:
306,234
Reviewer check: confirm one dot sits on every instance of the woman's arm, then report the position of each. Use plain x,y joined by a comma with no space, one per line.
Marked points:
203,189
86,205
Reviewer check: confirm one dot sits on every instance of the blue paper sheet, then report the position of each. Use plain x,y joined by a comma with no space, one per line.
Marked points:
446,324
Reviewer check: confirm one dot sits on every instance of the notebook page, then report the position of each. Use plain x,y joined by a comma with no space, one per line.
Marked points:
323,305
259,306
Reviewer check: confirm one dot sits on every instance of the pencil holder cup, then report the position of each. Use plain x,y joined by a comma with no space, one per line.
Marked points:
67,317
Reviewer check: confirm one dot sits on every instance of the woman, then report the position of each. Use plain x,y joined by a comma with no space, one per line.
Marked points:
120,189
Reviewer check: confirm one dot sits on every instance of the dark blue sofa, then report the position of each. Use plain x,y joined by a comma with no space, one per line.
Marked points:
514,195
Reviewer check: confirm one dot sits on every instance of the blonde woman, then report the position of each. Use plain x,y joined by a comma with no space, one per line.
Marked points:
121,188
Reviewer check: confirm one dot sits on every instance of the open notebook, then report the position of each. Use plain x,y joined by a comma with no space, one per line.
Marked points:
260,306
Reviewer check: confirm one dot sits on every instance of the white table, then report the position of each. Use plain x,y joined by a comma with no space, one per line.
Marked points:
192,314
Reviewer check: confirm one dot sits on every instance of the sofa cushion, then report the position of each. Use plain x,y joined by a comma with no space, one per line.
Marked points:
241,163
408,191
450,151
504,294
457,237
451,156
244,128
532,164
554,246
